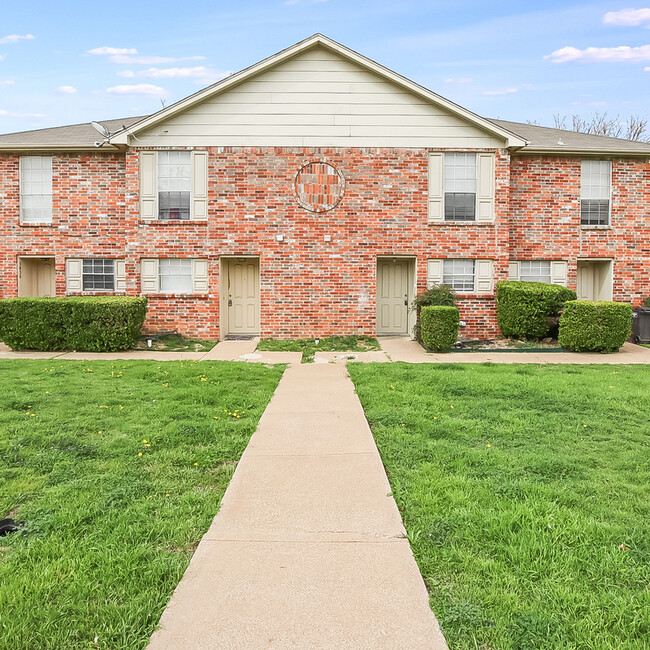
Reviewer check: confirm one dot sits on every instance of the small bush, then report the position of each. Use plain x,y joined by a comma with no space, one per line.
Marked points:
594,326
526,309
440,294
646,302
85,323
439,326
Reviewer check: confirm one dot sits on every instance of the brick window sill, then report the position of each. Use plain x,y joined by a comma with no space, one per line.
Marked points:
480,224
96,293
172,222
44,224
472,296
588,227
166,296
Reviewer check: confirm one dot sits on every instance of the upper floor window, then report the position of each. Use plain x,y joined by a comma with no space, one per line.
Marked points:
460,186
35,189
174,184
595,192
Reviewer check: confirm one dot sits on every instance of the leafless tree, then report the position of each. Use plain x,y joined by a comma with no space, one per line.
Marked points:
633,127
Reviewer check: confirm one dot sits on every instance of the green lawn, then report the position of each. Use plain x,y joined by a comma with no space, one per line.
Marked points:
117,470
309,347
525,491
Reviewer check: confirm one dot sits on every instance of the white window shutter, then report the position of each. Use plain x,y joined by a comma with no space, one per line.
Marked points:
436,194
485,187
120,275
513,272
484,276
559,271
199,185
199,276
148,185
73,275
434,272
149,275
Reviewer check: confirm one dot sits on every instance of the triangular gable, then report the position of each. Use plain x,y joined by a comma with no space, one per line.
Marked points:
317,93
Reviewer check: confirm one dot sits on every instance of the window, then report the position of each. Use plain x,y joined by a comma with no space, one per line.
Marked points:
459,274
175,276
535,271
460,186
174,184
36,189
550,271
595,190
464,276
98,275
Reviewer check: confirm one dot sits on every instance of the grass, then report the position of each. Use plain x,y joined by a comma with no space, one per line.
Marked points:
117,470
525,491
309,347
174,342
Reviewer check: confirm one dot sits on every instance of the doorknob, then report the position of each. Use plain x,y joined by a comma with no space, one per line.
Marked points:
406,300
229,302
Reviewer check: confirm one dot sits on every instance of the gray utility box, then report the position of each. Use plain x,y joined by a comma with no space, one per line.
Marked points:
641,324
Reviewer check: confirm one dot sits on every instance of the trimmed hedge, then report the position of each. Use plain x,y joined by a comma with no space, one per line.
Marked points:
646,302
439,326
84,323
594,326
524,308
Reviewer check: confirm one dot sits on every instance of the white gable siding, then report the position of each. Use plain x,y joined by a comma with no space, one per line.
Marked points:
318,99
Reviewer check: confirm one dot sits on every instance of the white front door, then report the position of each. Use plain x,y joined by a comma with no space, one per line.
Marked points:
36,277
393,295
242,296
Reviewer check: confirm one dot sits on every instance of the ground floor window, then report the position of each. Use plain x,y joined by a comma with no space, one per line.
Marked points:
174,275
98,275
459,274
535,271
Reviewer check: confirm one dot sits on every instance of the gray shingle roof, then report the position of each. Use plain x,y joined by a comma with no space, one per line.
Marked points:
540,138
543,138
64,137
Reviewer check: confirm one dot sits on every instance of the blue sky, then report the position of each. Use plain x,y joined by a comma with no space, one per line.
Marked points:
68,62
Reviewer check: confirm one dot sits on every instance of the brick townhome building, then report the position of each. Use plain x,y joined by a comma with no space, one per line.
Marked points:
316,193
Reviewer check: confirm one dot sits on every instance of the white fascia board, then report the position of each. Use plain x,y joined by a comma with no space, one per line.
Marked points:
60,147
511,139
603,153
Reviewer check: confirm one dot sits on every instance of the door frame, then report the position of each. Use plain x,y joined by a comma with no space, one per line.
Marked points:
224,262
411,316
610,278
20,258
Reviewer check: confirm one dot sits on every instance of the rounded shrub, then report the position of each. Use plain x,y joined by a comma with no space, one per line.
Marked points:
439,326
84,323
594,326
646,302
525,309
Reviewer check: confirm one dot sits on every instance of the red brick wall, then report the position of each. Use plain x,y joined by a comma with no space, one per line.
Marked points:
309,286
545,205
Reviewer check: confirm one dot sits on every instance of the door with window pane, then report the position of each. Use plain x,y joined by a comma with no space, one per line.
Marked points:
392,296
242,296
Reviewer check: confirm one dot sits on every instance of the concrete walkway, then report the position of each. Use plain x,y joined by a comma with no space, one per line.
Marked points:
308,547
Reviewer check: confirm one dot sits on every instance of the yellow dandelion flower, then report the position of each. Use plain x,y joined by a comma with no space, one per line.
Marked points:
144,441
167,495
489,445
195,464
140,454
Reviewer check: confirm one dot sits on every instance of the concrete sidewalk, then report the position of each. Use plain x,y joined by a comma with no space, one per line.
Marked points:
308,547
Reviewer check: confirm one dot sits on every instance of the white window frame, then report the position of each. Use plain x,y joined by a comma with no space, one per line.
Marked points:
460,176
558,271
455,274
104,262
151,275
28,167
482,276
174,174
174,269
590,171
533,270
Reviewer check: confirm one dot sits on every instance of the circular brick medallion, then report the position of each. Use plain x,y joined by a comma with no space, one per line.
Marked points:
319,187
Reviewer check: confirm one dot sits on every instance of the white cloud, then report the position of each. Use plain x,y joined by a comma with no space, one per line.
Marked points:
14,38
66,90
627,17
199,72
624,53
112,50
126,59
138,89
10,114
459,80
505,91
7,82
